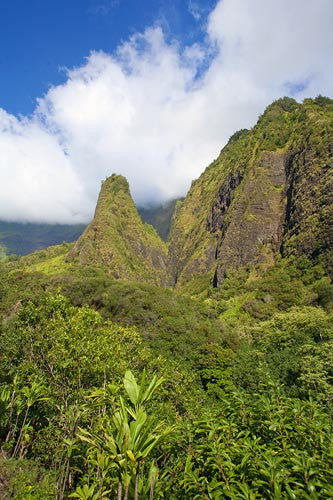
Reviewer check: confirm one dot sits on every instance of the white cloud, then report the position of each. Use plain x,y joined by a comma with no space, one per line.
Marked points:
144,112
38,182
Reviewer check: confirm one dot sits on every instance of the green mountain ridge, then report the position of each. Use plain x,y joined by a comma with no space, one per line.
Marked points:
269,193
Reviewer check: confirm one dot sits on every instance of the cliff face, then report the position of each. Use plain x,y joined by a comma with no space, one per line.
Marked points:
309,215
253,229
269,191
118,240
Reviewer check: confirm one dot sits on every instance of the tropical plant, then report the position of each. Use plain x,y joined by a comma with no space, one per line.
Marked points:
121,442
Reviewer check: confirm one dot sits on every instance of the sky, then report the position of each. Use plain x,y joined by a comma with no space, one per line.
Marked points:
151,90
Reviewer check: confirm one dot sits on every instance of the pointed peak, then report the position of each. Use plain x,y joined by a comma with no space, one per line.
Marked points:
117,239
115,192
114,183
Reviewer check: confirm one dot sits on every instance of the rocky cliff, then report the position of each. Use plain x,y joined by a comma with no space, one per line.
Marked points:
268,192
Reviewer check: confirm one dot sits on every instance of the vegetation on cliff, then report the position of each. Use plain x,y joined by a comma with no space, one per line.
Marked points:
268,192
118,240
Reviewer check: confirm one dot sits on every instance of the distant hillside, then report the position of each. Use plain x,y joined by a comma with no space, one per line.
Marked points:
21,239
159,216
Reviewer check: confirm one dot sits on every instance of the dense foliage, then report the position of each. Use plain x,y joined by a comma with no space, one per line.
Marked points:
243,411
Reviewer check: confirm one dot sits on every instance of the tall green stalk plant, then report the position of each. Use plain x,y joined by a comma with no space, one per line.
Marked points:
122,443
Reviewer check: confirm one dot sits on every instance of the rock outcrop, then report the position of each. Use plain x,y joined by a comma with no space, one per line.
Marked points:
117,240
252,232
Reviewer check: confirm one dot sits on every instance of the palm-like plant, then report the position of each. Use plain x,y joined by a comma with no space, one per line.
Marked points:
125,439
28,396
15,405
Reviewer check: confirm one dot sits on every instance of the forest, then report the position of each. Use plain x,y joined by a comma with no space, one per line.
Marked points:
112,389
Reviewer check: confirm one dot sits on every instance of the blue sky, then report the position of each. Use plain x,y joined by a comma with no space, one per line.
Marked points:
39,37
148,89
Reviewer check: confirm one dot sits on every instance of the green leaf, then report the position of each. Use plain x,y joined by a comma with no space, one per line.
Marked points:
131,387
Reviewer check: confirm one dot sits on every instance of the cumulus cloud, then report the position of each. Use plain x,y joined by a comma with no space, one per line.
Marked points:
159,114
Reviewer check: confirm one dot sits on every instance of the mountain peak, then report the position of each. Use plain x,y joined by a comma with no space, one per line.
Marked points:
117,240
115,182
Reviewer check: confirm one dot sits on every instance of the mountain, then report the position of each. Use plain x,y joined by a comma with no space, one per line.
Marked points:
269,193
23,238
118,240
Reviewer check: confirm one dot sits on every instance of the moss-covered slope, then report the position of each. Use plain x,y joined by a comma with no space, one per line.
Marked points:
269,191
117,240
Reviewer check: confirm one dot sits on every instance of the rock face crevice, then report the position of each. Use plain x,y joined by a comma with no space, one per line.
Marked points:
254,230
289,192
216,219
